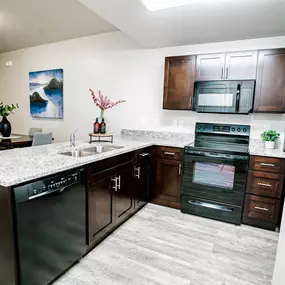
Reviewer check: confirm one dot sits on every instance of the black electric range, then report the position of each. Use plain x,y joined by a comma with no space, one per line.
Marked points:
215,172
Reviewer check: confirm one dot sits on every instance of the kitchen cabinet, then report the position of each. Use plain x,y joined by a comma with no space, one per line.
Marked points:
123,195
179,79
264,192
142,177
270,83
229,66
110,196
210,67
168,177
241,65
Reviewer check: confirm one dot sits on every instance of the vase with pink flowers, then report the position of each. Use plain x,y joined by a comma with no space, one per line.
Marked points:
104,103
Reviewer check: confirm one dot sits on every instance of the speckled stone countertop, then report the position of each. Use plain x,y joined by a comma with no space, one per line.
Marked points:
25,164
279,153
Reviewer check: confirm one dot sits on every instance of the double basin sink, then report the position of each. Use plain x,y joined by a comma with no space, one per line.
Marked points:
91,150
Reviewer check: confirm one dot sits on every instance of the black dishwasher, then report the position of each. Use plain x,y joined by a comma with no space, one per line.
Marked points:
51,226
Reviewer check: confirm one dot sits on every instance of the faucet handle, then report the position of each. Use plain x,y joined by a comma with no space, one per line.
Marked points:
74,131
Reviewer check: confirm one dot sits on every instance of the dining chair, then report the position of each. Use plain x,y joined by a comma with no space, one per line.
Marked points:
32,131
42,139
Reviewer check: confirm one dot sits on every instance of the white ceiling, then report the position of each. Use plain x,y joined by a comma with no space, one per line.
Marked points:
203,21
25,23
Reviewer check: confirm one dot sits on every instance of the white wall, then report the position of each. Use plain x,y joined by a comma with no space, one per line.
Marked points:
122,70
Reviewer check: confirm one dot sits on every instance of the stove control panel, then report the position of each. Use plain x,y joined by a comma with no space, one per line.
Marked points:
241,130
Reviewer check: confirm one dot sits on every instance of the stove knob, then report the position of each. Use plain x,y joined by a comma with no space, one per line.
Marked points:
233,129
244,130
238,129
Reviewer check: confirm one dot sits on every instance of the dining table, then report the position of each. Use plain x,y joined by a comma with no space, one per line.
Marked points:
15,140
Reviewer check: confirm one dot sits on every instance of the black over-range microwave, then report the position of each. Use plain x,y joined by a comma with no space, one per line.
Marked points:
235,97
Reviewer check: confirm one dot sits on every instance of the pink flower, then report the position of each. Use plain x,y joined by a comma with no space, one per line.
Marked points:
104,102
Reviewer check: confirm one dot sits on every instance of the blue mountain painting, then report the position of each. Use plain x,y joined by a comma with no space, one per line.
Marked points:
46,94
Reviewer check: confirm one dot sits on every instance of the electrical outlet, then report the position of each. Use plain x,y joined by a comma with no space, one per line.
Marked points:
142,121
156,122
181,123
9,63
266,127
174,123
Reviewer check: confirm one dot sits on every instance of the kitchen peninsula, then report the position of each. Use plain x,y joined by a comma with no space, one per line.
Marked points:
118,184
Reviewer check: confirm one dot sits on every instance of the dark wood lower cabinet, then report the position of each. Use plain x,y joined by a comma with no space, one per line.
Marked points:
123,196
168,181
110,201
264,199
100,209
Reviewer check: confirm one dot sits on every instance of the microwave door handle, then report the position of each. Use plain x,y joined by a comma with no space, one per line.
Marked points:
237,98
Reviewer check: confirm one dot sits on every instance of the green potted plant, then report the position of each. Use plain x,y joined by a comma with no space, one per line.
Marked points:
270,137
5,125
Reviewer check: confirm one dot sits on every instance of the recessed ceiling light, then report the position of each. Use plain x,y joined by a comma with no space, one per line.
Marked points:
155,5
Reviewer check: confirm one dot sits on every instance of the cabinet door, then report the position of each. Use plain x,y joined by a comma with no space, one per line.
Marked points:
241,65
210,67
179,82
142,183
101,219
124,194
168,183
270,84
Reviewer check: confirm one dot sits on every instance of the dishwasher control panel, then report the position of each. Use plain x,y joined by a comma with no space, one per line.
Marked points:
46,186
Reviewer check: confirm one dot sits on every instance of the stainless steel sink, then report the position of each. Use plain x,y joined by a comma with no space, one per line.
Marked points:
77,153
102,148
91,150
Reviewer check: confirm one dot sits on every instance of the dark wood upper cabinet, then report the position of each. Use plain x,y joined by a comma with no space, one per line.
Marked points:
241,65
270,83
210,67
179,80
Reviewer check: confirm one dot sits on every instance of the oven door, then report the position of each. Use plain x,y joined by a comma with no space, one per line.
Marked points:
215,177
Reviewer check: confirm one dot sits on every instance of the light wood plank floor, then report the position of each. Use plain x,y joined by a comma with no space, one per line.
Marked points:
160,245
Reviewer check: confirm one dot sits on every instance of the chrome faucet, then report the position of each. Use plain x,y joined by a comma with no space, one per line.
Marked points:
72,138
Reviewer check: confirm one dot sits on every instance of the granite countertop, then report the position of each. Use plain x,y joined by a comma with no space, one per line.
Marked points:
25,164
279,153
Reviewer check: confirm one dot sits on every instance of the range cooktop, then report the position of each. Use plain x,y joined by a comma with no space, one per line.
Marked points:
220,137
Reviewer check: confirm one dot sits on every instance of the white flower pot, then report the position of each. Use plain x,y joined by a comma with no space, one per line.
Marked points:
270,145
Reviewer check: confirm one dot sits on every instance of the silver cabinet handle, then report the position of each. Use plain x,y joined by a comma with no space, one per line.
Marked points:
138,172
144,154
227,73
261,208
264,184
115,187
119,182
169,153
179,169
222,73
267,164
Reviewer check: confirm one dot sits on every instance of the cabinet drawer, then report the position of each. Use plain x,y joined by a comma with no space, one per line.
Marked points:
97,170
265,184
171,153
267,164
261,208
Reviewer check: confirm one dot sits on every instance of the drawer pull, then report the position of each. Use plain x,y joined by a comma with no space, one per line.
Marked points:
169,153
144,154
115,187
260,208
267,164
264,184
179,169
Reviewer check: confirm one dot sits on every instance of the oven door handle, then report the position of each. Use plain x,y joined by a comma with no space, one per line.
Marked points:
211,206
220,156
